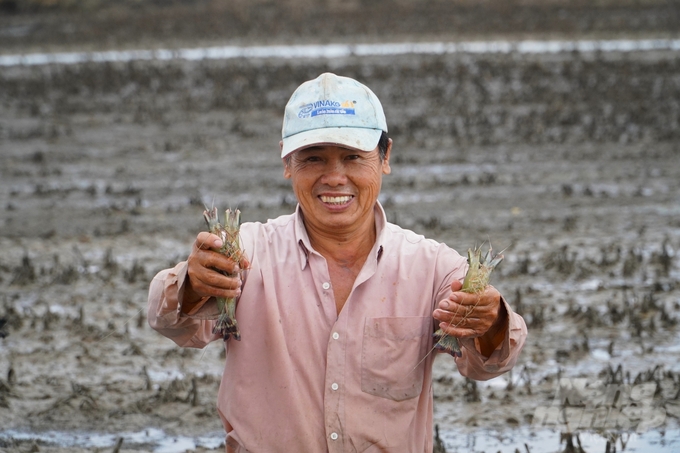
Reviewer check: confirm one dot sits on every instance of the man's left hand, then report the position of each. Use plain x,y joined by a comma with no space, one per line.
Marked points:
465,315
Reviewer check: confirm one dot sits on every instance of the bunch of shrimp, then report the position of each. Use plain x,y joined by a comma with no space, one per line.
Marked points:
229,233
475,282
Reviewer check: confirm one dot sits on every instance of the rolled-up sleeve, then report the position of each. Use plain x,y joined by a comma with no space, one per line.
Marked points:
165,315
476,366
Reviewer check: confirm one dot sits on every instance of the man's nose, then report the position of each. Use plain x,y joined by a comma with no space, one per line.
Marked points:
335,174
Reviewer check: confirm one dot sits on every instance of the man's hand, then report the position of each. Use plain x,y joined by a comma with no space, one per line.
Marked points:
204,276
482,316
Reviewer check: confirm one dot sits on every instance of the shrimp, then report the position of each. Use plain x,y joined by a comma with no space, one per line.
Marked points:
226,325
475,282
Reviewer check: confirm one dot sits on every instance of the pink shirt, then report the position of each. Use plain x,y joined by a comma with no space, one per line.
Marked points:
305,379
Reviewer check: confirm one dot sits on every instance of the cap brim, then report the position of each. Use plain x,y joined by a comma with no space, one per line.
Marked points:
361,139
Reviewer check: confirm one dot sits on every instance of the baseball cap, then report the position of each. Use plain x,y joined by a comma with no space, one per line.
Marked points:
332,110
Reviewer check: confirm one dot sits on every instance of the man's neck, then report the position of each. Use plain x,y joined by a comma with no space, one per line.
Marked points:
344,247
345,253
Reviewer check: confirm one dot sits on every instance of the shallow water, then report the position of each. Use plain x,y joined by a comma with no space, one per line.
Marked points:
343,50
524,439
548,441
152,439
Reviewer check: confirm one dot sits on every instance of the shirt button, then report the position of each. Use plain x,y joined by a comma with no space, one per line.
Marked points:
334,436
335,386
326,285
336,335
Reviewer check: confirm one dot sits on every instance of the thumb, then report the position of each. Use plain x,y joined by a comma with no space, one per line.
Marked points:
207,241
456,285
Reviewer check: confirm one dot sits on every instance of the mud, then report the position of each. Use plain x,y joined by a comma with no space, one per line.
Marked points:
568,161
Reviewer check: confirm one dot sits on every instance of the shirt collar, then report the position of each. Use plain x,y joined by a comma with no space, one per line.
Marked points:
305,247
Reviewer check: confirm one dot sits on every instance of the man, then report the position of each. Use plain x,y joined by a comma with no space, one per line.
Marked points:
337,306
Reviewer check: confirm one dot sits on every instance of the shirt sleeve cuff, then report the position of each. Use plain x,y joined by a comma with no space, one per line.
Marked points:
206,308
502,358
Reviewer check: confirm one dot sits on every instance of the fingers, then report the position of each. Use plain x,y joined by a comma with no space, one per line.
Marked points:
207,269
463,323
468,315
208,282
204,253
207,241
244,263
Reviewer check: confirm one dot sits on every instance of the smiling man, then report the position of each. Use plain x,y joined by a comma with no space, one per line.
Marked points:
337,306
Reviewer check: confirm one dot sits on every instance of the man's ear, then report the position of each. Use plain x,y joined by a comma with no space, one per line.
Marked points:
286,162
386,161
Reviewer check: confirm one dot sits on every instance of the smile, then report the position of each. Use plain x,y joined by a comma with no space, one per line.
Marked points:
336,200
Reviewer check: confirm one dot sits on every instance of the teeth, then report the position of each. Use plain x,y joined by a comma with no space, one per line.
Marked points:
336,200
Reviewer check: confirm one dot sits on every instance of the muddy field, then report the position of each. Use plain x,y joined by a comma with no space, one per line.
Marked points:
570,161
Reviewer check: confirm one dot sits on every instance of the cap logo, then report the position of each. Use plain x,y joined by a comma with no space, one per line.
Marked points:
327,107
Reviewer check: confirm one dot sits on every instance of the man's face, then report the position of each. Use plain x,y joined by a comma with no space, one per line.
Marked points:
337,187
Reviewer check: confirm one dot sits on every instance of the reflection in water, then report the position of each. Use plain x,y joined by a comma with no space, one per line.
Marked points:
343,50
521,439
550,441
155,439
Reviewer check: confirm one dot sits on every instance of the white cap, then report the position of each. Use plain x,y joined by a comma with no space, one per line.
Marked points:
332,110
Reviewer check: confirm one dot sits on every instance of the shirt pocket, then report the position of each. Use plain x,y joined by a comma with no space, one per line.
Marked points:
392,356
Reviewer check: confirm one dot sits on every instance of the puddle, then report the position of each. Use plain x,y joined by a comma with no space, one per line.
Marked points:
522,439
548,441
343,50
156,439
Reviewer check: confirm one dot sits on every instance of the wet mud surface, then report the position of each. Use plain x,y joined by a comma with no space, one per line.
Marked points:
568,161
58,24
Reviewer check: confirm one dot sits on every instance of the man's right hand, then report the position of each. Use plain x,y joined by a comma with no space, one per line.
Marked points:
204,276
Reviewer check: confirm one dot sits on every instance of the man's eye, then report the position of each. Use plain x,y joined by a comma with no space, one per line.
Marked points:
353,156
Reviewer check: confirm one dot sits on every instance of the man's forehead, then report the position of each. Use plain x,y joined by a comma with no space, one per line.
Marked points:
330,148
